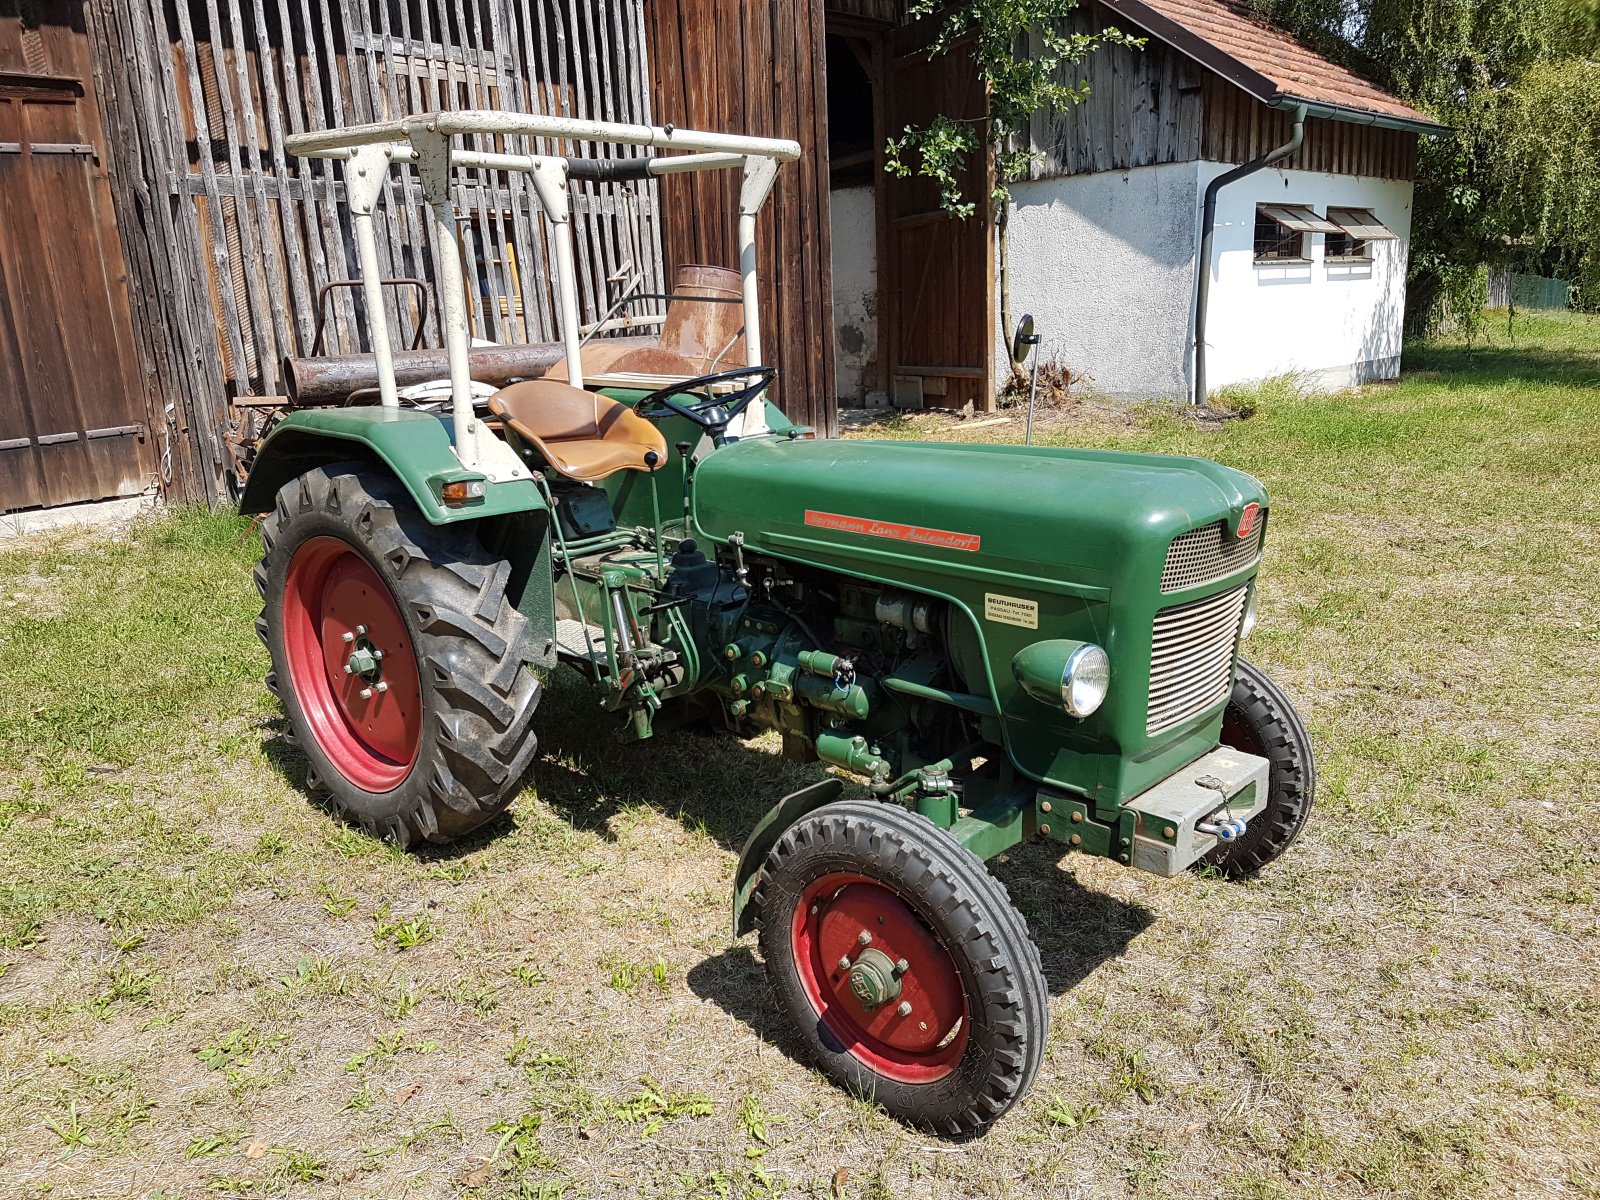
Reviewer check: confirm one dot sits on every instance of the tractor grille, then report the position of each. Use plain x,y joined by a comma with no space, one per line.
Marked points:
1206,555
1191,657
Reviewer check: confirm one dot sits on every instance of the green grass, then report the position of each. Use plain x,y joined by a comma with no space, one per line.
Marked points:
208,986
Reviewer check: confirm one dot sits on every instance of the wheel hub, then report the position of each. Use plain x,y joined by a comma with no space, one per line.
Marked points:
873,978
363,661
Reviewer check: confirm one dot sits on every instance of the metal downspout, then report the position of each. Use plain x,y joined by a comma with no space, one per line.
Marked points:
1208,222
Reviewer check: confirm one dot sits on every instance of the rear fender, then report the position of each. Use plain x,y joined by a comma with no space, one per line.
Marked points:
765,836
415,447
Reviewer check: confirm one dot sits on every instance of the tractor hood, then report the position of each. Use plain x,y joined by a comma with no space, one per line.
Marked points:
1075,521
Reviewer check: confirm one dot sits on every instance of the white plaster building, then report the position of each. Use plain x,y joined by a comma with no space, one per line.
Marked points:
1104,243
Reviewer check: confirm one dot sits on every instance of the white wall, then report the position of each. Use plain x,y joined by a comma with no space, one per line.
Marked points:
855,293
1336,324
1105,263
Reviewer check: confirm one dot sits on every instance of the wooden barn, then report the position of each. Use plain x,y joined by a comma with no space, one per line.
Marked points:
160,254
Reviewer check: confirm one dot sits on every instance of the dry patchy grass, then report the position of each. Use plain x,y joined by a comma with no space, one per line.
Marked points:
208,987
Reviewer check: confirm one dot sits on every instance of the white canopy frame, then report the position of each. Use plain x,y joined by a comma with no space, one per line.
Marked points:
428,144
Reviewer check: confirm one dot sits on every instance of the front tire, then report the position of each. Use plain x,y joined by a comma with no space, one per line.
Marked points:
1261,720
402,665
947,1041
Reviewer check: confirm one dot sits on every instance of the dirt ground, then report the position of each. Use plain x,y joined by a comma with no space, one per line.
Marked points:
207,986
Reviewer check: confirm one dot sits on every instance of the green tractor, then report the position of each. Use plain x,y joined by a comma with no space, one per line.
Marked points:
1002,643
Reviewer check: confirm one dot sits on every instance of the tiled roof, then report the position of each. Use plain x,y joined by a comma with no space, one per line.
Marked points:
1228,37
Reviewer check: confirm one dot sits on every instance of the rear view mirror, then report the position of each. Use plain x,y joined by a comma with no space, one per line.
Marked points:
1024,340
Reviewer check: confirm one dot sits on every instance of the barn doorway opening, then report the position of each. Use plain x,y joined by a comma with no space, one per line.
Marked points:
913,287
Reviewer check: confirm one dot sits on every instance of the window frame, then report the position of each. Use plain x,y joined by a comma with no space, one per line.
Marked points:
1359,249
1353,217
1284,237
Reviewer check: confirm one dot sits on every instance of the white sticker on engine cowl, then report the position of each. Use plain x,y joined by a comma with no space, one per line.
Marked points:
1011,610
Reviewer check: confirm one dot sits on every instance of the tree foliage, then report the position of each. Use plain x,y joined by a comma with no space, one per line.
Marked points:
1021,54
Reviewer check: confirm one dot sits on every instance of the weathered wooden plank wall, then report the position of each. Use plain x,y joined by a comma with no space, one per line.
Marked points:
75,406
1144,107
1157,105
1239,128
756,67
937,272
888,11
234,237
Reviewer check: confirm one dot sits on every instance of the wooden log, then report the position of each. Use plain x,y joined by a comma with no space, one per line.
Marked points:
332,378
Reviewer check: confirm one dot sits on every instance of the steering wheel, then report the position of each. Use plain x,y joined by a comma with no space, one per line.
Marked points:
711,412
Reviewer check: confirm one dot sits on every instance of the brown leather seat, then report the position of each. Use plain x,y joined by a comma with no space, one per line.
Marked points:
583,435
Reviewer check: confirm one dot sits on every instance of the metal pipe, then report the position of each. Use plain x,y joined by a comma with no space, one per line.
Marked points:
981,705
550,182
1359,116
365,173
1208,222
1033,396
481,121
377,315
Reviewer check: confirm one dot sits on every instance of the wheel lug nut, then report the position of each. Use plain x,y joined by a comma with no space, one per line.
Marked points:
348,636
844,963
366,693
382,687
361,630
347,669
905,1008
902,967
377,654
865,939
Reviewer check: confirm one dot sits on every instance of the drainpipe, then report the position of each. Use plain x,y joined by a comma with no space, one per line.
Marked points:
1208,222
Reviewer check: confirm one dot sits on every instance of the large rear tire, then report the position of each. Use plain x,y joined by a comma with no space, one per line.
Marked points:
1261,720
401,663
940,1013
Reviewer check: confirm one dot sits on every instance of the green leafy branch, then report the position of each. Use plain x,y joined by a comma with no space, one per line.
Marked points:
1018,85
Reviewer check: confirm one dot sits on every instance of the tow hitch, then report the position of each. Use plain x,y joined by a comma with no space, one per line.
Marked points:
1187,814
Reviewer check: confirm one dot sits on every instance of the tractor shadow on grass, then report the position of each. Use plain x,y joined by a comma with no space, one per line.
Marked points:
710,781
721,786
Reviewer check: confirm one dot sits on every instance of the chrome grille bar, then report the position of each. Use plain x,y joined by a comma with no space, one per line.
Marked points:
1206,555
1191,657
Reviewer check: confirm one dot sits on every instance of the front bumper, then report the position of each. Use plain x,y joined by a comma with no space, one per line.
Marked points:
1168,838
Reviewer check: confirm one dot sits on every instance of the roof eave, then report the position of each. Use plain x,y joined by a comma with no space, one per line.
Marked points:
1253,82
1355,116
1186,41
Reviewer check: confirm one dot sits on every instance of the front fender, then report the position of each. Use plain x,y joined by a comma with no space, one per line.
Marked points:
416,447
765,836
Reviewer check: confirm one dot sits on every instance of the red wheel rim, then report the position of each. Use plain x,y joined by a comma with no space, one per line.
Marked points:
918,1046
338,613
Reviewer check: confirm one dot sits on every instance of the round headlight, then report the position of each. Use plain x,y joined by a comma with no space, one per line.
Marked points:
1085,679
1249,621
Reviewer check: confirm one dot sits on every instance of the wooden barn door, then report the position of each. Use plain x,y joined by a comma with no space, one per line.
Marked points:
72,405
756,68
936,300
